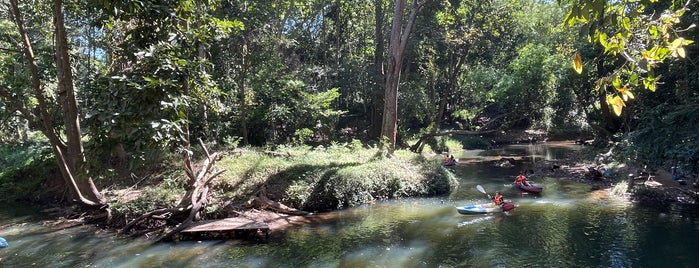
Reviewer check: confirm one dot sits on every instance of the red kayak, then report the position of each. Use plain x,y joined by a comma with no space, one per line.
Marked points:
530,188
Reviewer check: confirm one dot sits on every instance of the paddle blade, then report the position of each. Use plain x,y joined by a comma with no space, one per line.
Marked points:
480,188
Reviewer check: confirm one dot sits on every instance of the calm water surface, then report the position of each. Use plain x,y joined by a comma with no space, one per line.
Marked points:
566,226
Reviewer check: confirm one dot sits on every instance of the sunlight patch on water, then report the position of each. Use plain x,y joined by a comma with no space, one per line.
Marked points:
385,256
474,221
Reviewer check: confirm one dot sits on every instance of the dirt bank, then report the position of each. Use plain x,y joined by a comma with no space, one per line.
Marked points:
578,167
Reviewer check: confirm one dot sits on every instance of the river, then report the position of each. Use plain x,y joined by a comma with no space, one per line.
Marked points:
566,226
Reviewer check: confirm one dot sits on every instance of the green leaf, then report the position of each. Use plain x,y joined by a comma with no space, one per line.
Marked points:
616,82
653,31
603,40
633,79
626,23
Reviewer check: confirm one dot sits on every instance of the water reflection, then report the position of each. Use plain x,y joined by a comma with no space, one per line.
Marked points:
565,226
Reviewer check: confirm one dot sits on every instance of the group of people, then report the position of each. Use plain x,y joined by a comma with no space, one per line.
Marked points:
498,199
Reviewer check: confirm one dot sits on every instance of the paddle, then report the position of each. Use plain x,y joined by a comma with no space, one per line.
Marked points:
480,189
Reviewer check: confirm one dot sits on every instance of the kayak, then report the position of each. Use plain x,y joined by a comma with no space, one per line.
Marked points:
530,188
484,208
3,243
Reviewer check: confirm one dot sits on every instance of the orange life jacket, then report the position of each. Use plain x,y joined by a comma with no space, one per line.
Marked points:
521,179
498,199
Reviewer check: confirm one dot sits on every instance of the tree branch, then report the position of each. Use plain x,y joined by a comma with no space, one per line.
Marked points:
10,50
12,99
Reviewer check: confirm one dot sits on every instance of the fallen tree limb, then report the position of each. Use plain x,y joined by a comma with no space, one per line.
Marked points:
262,202
193,201
154,213
426,136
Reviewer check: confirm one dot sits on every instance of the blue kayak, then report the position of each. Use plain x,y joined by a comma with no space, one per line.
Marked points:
484,208
3,243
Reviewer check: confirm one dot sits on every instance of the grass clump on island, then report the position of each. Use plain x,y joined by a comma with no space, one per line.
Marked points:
332,177
308,178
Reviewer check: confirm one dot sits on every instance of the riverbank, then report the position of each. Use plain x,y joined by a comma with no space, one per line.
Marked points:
650,186
628,180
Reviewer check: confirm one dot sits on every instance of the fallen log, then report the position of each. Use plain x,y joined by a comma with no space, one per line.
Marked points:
426,136
262,202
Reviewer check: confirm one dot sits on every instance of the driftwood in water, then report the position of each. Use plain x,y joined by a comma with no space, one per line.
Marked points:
262,202
194,200
224,228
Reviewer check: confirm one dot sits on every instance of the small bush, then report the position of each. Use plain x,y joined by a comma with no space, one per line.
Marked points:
472,142
24,169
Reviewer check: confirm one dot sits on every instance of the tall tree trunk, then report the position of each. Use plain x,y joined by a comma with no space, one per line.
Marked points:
282,23
70,157
242,92
396,48
71,114
377,96
453,71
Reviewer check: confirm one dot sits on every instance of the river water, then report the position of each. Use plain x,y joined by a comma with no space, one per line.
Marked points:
566,226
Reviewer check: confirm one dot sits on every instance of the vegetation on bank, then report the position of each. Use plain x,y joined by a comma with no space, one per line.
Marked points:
24,169
308,178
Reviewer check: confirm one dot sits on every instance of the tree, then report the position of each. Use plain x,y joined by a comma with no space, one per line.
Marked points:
642,33
397,44
378,89
69,153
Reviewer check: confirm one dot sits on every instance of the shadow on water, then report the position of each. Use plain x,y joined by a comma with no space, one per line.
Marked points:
567,225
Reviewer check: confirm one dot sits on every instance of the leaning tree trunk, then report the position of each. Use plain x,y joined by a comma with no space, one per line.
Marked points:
69,155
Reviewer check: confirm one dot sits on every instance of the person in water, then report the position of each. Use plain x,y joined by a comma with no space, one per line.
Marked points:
449,160
521,179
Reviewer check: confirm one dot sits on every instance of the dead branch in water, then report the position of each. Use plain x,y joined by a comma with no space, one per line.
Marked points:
195,199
